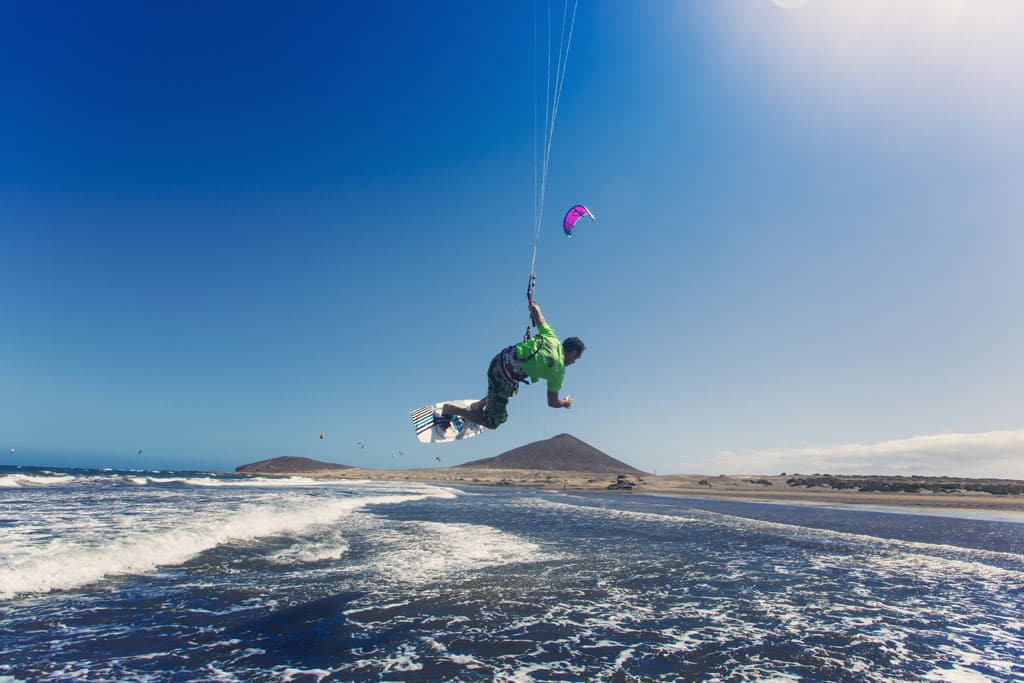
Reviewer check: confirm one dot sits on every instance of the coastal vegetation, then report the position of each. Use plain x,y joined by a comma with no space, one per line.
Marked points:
911,484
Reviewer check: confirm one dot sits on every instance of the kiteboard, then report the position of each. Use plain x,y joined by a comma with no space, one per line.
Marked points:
431,430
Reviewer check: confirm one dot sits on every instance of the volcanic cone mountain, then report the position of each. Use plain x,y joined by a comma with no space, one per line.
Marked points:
289,464
563,452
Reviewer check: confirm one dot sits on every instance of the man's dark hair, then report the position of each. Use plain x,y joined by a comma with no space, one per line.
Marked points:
574,344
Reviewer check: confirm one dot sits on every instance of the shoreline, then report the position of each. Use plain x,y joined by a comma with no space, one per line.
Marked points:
753,488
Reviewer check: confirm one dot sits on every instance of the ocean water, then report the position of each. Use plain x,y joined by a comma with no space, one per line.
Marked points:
145,576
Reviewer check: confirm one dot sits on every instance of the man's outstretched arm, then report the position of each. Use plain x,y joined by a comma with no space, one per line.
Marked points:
536,315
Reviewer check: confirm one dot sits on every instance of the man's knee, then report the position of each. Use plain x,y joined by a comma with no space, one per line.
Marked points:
496,417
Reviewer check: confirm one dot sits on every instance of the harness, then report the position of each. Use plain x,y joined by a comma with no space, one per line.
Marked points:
511,364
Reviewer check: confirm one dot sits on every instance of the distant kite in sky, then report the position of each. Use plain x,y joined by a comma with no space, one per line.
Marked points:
573,215
321,436
140,451
360,444
12,450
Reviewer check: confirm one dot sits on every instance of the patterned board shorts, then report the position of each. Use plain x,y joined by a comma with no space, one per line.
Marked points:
499,390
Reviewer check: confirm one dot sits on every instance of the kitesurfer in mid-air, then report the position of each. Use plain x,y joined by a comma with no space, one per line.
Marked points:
539,357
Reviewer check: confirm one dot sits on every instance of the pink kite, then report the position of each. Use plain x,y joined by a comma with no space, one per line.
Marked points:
574,214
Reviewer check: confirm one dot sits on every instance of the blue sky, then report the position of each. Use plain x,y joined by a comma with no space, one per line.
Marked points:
226,229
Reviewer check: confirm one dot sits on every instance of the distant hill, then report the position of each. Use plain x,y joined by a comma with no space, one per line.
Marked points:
563,452
290,465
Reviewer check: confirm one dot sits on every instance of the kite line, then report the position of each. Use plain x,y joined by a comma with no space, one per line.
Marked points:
542,143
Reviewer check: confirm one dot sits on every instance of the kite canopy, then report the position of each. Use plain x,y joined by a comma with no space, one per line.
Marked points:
573,215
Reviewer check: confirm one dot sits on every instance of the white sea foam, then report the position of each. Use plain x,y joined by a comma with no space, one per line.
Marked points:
537,503
331,547
262,482
47,478
419,552
64,563
291,674
20,480
392,605
404,659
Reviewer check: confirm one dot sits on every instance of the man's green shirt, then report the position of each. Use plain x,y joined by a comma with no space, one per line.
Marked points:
548,362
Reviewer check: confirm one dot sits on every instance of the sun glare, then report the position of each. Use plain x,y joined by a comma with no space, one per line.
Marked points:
913,51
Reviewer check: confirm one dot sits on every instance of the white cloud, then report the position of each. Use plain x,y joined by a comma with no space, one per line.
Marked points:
980,454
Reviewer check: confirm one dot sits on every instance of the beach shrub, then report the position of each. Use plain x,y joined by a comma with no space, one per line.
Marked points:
912,484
